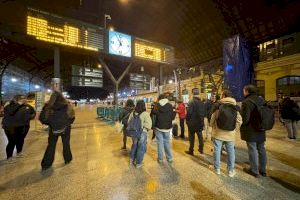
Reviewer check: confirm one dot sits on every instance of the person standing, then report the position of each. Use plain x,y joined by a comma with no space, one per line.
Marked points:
59,115
163,127
140,123
226,121
195,121
123,118
254,138
17,115
181,110
290,113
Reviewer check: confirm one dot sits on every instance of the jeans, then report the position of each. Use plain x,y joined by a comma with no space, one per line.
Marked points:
138,148
182,128
192,140
15,137
163,141
257,157
291,127
50,151
230,154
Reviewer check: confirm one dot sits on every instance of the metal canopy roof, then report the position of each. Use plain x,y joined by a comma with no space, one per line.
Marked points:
196,28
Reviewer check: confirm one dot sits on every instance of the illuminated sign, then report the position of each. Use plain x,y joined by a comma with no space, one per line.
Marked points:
148,52
86,76
153,51
119,44
55,29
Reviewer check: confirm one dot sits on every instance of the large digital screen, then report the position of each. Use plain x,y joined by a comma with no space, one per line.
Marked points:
119,44
55,29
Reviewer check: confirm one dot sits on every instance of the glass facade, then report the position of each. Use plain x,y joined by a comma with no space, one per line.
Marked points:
16,81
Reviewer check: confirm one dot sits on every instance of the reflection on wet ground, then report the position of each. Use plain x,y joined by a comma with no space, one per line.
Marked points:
100,170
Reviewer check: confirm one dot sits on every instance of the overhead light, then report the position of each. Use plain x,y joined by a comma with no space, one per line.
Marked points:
111,28
99,66
170,81
37,87
14,80
49,91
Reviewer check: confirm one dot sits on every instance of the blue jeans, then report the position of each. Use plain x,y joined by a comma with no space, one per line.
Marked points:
163,141
138,148
230,154
257,157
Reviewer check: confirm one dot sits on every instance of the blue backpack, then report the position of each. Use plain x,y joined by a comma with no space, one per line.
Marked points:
134,128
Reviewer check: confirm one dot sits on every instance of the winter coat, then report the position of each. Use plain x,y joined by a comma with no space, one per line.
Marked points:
16,115
248,133
195,114
290,110
223,134
145,120
58,117
124,115
164,116
181,110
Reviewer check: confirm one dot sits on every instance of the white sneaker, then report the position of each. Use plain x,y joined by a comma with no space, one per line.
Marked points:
231,173
11,160
218,171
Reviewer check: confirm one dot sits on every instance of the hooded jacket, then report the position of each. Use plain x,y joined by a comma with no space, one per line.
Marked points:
181,110
248,133
223,134
195,114
124,115
59,116
16,115
164,116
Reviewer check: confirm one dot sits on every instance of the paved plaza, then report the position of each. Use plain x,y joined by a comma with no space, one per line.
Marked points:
100,170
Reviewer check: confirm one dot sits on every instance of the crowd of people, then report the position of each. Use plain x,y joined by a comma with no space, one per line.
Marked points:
222,114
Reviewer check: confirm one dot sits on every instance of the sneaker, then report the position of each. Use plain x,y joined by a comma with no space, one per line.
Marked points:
159,161
45,168
11,160
190,153
123,148
20,155
131,162
218,171
170,161
139,166
231,173
249,171
264,174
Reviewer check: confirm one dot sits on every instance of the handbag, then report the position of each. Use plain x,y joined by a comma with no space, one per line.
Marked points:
118,127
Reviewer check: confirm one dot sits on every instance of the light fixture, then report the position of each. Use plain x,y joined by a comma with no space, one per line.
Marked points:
111,28
99,66
170,81
49,90
37,87
14,80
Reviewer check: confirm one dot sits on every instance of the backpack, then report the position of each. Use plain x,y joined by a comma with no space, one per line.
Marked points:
134,128
226,117
264,117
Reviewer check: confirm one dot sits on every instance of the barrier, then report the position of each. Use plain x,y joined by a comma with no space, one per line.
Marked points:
108,113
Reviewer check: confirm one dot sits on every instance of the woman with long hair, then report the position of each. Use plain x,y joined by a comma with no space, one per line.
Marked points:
139,144
59,115
123,118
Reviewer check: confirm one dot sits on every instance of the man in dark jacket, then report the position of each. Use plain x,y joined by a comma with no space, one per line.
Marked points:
255,139
195,121
165,114
123,118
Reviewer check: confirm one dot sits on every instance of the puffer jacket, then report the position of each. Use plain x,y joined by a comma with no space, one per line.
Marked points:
16,115
181,110
223,134
248,133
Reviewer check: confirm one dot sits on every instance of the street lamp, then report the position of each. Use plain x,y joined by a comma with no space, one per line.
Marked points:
106,17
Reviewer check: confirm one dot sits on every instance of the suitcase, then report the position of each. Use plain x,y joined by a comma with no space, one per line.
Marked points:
175,130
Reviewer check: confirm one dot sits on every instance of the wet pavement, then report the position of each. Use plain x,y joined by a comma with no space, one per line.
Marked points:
100,170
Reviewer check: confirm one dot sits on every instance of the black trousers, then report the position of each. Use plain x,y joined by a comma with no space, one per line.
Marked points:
15,137
192,140
50,151
182,128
